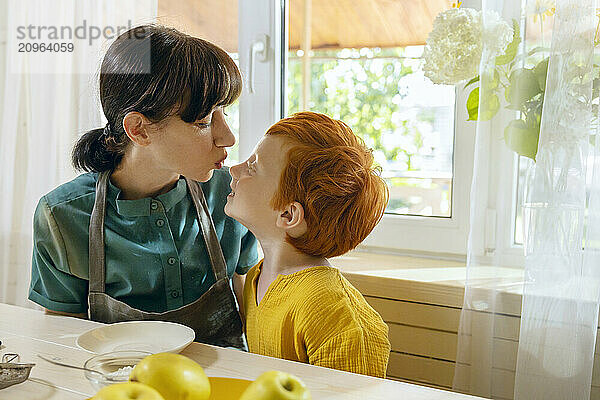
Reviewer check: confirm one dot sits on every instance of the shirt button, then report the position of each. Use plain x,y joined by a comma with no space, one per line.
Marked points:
160,222
171,260
174,294
154,205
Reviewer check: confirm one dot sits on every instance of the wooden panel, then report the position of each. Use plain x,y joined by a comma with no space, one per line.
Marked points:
504,354
413,346
421,369
503,385
505,357
431,385
429,281
399,289
429,300
507,327
416,314
423,342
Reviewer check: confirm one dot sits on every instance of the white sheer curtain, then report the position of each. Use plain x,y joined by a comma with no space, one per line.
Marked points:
549,352
46,101
559,318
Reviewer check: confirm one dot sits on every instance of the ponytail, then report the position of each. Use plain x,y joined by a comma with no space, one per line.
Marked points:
97,152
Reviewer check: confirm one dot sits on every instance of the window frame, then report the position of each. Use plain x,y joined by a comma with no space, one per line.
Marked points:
445,235
493,241
403,234
503,196
260,109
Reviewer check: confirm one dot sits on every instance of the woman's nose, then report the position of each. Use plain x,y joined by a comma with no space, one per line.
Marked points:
223,137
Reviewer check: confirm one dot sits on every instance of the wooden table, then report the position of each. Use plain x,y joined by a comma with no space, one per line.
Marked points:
29,332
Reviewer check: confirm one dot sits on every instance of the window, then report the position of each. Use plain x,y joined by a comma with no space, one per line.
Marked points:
360,62
383,95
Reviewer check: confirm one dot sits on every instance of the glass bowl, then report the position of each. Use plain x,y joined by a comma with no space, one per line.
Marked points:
116,364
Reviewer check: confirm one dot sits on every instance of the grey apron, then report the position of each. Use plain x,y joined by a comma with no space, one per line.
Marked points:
214,316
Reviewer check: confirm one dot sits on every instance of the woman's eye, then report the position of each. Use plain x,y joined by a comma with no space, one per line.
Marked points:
202,124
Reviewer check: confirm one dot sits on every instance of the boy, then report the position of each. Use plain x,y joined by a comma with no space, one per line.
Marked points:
309,192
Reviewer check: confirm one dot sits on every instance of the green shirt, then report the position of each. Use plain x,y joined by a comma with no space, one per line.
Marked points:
156,259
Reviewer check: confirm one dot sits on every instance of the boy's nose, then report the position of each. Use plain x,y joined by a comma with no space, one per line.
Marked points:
234,171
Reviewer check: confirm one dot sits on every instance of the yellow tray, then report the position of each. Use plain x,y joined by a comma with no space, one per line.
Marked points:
227,388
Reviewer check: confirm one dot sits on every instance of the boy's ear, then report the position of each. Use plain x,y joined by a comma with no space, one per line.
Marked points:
291,219
136,125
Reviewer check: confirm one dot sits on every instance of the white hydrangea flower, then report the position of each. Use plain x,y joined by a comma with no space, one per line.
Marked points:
456,42
498,33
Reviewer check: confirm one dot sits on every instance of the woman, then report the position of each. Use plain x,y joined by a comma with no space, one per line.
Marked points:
132,238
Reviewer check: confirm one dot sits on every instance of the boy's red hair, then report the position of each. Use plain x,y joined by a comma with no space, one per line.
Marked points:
329,171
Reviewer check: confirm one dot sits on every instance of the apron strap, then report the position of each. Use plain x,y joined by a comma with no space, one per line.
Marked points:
97,265
217,260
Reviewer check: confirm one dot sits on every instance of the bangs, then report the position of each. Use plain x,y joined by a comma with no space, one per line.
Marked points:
210,79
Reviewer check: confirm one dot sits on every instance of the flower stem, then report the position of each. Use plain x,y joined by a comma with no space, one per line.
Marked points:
542,29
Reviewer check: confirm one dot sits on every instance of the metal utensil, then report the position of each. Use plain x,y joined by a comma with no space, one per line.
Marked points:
12,373
93,371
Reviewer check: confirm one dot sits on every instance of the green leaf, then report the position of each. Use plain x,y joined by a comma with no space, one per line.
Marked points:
489,106
596,88
473,104
531,52
513,107
521,138
492,84
472,81
541,72
513,46
523,86
537,50
495,82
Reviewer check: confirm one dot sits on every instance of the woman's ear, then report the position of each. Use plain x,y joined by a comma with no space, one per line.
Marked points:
135,125
291,220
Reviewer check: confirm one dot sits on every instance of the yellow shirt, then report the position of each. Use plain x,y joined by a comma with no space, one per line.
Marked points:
316,316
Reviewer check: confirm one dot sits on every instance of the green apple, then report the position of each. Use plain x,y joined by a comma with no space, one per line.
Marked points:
176,377
128,391
276,385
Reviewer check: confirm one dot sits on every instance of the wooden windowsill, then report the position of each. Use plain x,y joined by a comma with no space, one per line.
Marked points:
425,280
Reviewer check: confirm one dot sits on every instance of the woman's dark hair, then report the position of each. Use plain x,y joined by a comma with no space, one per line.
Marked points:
158,72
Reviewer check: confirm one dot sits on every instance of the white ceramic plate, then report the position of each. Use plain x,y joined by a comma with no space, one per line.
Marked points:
150,336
